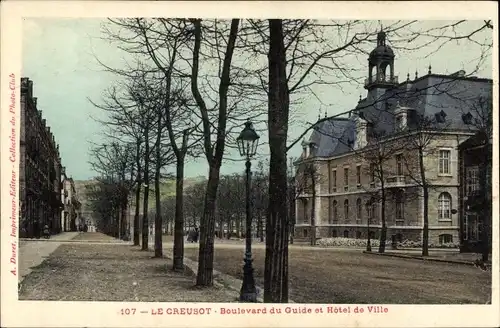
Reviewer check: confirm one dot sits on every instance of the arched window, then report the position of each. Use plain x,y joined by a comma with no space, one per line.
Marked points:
334,211
305,233
334,233
359,210
444,206
346,233
346,210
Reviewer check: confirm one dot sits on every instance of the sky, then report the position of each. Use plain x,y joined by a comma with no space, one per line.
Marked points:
59,55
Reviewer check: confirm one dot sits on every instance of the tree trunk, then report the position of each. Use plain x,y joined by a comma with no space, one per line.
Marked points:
313,208
214,154
124,218
178,263
137,197
145,221
275,272
207,230
425,189
158,220
383,232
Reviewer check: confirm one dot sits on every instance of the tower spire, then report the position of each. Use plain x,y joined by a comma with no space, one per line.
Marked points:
381,65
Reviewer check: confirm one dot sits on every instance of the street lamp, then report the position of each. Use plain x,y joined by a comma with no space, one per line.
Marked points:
247,145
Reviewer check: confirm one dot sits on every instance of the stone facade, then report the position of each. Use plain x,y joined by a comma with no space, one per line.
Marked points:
72,205
342,210
85,213
375,147
40,169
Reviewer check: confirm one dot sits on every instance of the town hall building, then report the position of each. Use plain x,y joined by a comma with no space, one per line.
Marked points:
362,170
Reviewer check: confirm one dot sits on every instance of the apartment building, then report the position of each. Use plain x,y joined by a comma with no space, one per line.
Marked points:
40,169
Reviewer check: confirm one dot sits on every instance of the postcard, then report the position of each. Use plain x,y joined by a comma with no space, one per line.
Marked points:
249,164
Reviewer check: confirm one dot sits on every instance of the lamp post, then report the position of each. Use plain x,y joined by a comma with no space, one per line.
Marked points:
247,145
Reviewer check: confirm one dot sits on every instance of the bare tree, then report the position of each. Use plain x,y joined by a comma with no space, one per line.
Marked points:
213,153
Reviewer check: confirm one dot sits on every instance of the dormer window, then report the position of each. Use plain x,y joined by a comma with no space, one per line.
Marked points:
467,118
440,117
401,117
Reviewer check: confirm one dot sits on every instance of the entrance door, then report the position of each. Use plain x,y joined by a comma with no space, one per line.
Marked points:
472,227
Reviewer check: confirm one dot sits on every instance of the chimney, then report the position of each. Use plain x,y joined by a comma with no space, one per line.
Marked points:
30,88
48,130
361,133
305,149
35,101
24,84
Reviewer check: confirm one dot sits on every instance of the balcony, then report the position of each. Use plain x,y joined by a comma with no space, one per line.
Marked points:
381,80
397,181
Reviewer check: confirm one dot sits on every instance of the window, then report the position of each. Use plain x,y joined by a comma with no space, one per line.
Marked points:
334,180
358,176
334,233
399,165
346,233
359,210
399,123
372,234
346,210
445,239
372,174
305,233
444,206
334,211
372,210
444,161
358,234
346,178
305,218
472,180
466,228
400,205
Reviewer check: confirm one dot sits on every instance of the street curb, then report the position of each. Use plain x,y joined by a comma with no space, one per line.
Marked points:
420,258
75,241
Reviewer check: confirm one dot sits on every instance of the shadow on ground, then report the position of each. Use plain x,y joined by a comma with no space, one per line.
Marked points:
117,273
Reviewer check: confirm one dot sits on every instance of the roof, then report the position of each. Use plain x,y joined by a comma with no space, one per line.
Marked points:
429,96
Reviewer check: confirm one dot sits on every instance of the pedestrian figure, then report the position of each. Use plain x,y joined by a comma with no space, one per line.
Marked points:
190,236
196,235
46,232
36,229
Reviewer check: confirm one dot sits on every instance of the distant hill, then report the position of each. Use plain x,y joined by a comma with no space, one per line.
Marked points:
167,188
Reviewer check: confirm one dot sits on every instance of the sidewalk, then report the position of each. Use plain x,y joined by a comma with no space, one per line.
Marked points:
32,252
220,279
98,272
436,255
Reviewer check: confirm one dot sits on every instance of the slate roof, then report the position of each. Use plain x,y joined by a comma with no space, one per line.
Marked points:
428,95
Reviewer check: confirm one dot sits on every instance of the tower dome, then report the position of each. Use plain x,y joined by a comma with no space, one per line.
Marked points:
379,59
382,50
